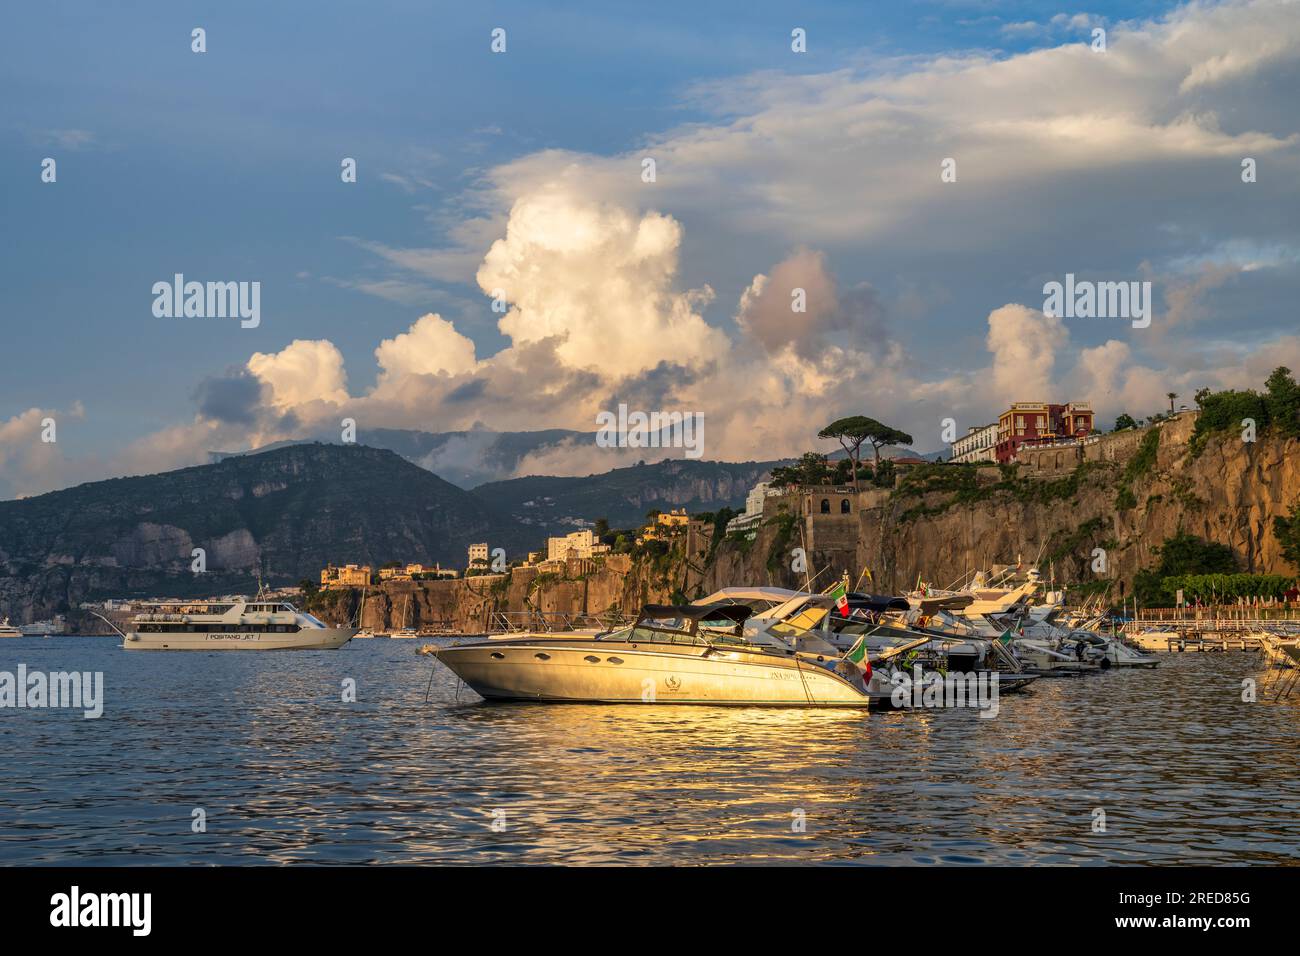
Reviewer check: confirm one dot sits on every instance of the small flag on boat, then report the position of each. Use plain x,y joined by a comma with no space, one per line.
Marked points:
1006,636
841,599
858,655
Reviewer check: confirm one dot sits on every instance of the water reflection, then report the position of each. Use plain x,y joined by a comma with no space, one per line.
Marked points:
287,772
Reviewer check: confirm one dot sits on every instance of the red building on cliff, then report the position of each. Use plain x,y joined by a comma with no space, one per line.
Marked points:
1040,423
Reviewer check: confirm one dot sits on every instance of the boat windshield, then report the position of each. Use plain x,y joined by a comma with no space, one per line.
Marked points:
679,632
642,633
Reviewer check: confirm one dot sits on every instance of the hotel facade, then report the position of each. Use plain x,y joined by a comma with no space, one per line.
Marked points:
978,444
1040,423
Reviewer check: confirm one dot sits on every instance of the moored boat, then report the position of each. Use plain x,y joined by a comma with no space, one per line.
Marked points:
232,625
681,654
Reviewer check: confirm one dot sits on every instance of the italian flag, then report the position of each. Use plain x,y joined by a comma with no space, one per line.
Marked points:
858,655
841,599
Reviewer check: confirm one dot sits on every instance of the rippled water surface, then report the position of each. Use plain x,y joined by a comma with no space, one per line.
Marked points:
286,772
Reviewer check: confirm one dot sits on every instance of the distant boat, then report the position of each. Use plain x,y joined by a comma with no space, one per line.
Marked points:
408,631
230,626
42,628
8,630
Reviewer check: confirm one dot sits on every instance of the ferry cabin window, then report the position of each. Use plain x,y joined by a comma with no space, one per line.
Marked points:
168,627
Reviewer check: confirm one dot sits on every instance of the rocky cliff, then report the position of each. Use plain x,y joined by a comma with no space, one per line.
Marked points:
1124,494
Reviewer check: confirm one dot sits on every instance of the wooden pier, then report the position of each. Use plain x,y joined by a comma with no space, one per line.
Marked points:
1203,630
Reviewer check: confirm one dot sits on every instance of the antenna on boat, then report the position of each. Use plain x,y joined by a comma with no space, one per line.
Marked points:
804,545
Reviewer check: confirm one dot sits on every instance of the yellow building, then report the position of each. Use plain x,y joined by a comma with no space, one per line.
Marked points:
348,576
665,524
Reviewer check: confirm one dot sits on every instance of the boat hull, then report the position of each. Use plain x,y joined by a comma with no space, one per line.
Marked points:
308,639
612,672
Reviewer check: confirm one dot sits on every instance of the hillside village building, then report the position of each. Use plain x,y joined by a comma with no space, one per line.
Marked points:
1040,423
665,525
579,544
412,571
978,444
753,514
348,576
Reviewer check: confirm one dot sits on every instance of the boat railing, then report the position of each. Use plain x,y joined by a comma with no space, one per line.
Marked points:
509,622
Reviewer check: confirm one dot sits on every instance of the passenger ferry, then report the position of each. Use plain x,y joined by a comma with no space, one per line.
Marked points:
230,626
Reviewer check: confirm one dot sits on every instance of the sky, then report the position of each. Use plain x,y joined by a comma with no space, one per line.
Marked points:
501,260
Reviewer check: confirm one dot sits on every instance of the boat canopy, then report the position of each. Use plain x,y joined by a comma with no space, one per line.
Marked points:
738,613
774,595
877,602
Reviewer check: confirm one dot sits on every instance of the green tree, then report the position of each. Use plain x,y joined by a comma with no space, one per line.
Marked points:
1282,399
811,469
1124,420
1171,396
883,477
1182,554
1287,532
1224,412
851,432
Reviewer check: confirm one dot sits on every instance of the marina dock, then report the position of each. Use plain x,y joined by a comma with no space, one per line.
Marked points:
1163,630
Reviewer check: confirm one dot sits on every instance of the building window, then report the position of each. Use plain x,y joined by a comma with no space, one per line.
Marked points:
844,506
826,506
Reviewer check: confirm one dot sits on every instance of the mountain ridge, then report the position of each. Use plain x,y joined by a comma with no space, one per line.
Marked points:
283,513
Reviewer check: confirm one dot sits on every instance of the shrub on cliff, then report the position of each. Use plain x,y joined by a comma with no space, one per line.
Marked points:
1221,588
1182,554
1277,410
1287,532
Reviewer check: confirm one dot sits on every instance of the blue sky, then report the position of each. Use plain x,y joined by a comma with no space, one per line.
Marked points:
225,165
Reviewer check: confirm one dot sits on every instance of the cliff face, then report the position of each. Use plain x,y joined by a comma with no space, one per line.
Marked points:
286,513
471,605
293,510
1055,512
1125,494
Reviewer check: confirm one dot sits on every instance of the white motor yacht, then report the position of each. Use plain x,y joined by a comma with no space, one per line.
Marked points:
687,654
8,630
230,626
